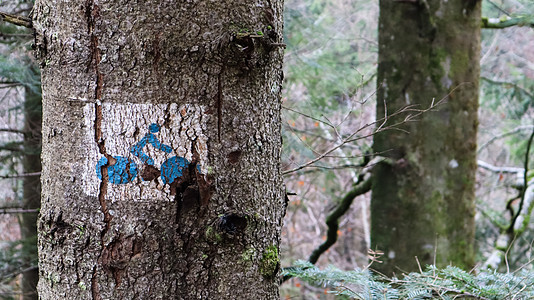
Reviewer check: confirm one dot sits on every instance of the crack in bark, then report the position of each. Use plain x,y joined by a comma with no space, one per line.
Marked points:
91,14
219,105
95,292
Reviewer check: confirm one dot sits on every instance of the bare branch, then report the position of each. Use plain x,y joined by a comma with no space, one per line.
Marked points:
496,169
332,220
12,130
21,175
506,21
353,136
413,113
7,211
305,115
16,20
315,135
521,219
8,85
508,84
503,135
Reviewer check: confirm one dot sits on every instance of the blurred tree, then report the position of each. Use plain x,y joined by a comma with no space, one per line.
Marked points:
19,71
423,195
31,186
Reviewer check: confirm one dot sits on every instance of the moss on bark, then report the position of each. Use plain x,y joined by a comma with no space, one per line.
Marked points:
423,203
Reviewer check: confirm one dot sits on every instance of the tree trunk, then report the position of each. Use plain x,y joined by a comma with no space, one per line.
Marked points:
31,163
423,202
161,148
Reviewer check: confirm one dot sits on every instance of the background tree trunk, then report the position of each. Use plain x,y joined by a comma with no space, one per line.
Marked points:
208,76
423,203
31,163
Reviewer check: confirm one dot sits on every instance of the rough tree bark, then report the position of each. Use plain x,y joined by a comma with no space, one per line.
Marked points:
161,148
423,203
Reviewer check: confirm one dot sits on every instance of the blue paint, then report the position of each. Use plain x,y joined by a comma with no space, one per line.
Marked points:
173,168
153,128
121,172
137,149
124,170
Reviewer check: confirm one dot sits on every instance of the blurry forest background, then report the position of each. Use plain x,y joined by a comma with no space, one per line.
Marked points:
330,84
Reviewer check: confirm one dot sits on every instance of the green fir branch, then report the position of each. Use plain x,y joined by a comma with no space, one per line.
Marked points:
432,283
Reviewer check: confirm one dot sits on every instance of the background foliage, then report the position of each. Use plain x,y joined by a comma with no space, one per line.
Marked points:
18,75
330,79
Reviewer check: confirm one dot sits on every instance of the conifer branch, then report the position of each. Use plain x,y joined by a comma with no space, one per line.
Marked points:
431,283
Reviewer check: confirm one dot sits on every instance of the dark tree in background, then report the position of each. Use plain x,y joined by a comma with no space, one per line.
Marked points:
31,163
423,195
20,81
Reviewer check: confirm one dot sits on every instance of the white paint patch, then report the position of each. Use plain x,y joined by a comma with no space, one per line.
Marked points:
453,164
384,87
165,136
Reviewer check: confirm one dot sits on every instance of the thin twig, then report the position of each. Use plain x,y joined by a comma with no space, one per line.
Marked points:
409,118
19,272
498,7
12,130
508,84
305,115
315,135
21,175
9,85
503,135
302,141
8,211
351,137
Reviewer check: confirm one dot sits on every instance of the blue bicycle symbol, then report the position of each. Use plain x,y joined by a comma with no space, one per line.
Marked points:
124,170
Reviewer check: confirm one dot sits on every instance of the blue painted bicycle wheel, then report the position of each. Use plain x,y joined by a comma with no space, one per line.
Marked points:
121,172
173,168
